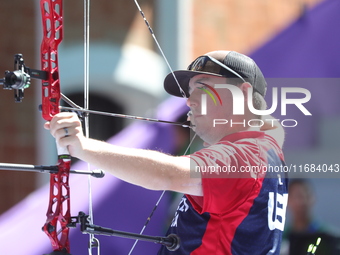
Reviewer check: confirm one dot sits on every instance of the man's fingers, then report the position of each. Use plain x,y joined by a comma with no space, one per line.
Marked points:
62,121
67,130
64,117
47,125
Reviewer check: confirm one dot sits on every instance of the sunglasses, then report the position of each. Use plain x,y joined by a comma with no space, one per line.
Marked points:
211,65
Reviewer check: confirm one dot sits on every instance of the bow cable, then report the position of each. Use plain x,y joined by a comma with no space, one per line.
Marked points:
183,95
158,201
160,48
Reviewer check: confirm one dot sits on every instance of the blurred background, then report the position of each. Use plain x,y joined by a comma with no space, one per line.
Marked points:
295,43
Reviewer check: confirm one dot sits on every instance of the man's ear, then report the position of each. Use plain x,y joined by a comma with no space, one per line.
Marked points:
244,87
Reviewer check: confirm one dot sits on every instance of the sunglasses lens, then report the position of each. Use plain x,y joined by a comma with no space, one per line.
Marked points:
204,64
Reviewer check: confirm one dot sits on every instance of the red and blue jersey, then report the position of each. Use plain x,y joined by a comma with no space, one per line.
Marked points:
242,210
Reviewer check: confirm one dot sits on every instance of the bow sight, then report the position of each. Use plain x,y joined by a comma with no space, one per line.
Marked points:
20,79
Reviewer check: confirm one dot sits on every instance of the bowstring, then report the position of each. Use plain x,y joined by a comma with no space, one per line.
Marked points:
93,242
157,203
183,95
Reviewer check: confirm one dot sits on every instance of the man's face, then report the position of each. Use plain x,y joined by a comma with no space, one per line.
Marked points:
204,124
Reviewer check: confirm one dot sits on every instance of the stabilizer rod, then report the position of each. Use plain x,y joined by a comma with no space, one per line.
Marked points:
172,241
98,173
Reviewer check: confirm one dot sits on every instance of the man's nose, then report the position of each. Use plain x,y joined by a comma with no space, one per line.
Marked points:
192,102
188,102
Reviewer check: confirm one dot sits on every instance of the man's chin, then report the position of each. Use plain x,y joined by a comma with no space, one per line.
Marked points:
205,144
200,134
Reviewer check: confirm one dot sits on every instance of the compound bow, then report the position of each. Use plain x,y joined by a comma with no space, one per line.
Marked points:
59,219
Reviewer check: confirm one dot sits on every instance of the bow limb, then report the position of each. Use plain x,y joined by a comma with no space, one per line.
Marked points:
58,212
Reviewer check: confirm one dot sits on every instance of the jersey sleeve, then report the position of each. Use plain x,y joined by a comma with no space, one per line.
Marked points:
227,181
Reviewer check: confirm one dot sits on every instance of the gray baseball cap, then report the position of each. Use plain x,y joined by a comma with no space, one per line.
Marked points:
228,64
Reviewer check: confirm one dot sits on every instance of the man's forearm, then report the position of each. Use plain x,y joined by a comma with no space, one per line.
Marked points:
146,168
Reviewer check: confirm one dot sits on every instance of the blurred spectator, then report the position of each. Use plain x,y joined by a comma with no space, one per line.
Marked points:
303,228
